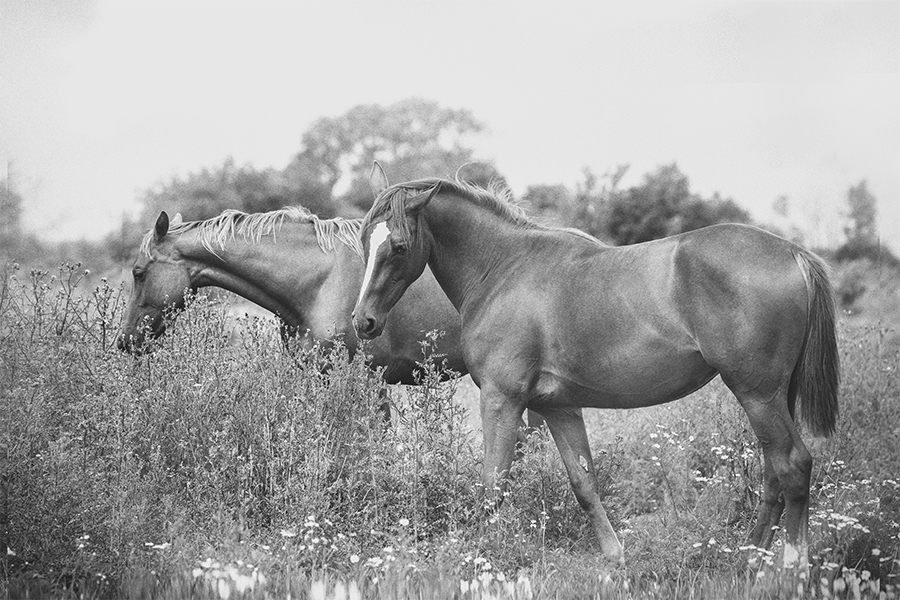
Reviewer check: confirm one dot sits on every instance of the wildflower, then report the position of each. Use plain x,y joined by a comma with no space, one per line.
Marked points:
354,558
404,522
242,583
317,590
353,592
224,589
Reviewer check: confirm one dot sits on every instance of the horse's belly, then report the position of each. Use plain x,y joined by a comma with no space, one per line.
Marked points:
633,384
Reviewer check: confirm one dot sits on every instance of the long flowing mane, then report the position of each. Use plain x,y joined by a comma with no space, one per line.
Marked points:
214,233
497,198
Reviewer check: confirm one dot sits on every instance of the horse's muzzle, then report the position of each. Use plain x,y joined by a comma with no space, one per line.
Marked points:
367,327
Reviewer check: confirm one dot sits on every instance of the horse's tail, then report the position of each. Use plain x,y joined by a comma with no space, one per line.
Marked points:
817,374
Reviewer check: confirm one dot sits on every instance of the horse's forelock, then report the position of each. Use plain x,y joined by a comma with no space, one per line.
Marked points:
391,205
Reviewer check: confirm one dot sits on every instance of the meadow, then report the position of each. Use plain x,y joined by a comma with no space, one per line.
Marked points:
220,464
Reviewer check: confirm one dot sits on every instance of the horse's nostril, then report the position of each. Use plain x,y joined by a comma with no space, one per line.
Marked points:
370,325
365,326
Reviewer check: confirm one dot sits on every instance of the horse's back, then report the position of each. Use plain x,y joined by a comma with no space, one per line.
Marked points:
599,322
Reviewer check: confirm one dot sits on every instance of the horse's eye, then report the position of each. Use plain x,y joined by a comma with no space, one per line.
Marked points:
139,274
400,248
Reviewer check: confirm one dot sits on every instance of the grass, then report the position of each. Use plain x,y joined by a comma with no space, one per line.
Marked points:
220,465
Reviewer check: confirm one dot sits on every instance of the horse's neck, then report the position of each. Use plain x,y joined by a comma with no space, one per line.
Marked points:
282,273
471,243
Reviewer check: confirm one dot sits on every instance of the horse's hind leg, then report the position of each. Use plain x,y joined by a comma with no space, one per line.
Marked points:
771,507
567,428
788,469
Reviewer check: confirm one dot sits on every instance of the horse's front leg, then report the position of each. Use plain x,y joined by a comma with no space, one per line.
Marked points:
500,420
567,428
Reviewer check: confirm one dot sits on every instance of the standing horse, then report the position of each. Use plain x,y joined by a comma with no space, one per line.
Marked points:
553,321
309,279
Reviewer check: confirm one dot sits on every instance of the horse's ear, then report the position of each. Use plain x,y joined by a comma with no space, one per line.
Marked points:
162,225
176,220
377,179
418,202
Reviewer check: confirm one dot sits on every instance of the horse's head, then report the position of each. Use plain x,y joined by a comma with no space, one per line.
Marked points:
160,281
395,251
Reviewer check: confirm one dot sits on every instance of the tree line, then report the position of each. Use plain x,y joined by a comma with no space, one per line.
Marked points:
415,138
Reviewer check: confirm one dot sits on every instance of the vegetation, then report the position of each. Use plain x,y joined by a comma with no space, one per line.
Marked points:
221,465
217,465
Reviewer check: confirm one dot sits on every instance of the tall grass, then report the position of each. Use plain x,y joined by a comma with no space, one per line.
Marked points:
222,464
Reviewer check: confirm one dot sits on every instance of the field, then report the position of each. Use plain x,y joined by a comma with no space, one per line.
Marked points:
222,465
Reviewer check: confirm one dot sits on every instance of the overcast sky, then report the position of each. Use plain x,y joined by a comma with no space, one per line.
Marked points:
102,99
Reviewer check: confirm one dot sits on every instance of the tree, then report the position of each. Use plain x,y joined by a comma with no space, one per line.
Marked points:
551,202
862,229
664,205
10,215
207,193
412,138
594,195
863,213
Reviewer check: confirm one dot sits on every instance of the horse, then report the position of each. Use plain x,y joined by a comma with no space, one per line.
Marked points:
554,321
306,270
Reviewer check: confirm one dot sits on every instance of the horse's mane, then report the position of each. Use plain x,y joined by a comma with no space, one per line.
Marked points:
497,198
214,233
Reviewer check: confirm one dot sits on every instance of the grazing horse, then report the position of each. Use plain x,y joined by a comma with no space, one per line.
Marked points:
307,271
553,321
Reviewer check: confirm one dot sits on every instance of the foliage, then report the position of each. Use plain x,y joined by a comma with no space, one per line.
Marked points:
10,214
862,215
207,193
869,290
412,138
15,243
219,465
862,241
664,205
548,201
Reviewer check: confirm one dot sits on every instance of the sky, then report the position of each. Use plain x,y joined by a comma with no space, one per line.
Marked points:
102,100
